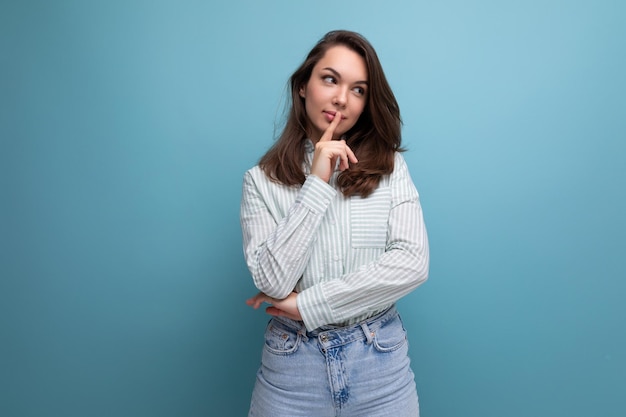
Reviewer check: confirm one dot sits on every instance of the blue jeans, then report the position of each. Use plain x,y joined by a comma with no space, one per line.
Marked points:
360,371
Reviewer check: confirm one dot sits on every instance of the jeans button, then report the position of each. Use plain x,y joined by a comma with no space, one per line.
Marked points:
323,338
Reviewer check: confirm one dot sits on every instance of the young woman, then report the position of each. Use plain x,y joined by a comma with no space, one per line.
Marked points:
333,236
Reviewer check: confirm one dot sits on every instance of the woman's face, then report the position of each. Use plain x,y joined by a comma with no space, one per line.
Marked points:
338,83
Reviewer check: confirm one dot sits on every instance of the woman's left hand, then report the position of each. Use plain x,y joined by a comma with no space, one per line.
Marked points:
287,307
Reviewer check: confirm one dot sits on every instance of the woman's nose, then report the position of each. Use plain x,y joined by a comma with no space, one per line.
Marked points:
341,98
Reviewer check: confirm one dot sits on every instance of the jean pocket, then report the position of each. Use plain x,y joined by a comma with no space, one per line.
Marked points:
390,336
281,339
369,219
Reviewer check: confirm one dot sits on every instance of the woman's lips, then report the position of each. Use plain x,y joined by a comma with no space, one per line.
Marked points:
330,116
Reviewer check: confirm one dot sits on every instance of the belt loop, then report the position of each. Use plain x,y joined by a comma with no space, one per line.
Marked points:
302,332
369,335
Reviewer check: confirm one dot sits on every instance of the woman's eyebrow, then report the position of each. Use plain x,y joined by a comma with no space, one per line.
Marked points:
336,74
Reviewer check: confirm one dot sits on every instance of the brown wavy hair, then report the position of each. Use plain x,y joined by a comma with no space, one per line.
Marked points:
374,138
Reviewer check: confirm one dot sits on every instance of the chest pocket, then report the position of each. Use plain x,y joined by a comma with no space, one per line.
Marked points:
369,217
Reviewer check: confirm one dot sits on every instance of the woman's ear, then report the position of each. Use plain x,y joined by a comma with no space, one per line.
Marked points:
302,91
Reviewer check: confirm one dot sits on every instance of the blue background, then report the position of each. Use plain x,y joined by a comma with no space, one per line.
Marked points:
125,130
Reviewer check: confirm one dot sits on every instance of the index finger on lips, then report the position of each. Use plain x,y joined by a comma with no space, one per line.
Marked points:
328,133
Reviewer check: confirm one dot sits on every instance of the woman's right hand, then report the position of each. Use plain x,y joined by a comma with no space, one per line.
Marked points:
328,150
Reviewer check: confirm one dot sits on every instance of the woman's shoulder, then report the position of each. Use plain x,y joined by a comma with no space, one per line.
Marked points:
254,176
256,173
399,158
401,179
254,170
399,164
257,178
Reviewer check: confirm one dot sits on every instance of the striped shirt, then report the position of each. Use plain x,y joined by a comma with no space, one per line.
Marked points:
348,258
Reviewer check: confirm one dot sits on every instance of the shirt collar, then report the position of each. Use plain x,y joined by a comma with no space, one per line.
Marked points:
309,147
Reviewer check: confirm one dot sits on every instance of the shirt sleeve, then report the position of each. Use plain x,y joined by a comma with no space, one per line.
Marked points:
277,251
400,269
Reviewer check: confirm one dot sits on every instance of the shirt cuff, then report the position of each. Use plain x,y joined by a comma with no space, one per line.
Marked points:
316,194
314,308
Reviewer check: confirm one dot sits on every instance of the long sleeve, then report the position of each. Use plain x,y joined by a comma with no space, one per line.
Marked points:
401,267
279,224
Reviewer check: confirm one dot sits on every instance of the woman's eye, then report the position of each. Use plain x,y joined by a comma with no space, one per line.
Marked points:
329,79
359,90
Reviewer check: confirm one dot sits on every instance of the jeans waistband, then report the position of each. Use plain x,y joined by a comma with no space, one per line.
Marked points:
331,336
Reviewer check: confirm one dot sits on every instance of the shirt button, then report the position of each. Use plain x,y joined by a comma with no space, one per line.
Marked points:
336,257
